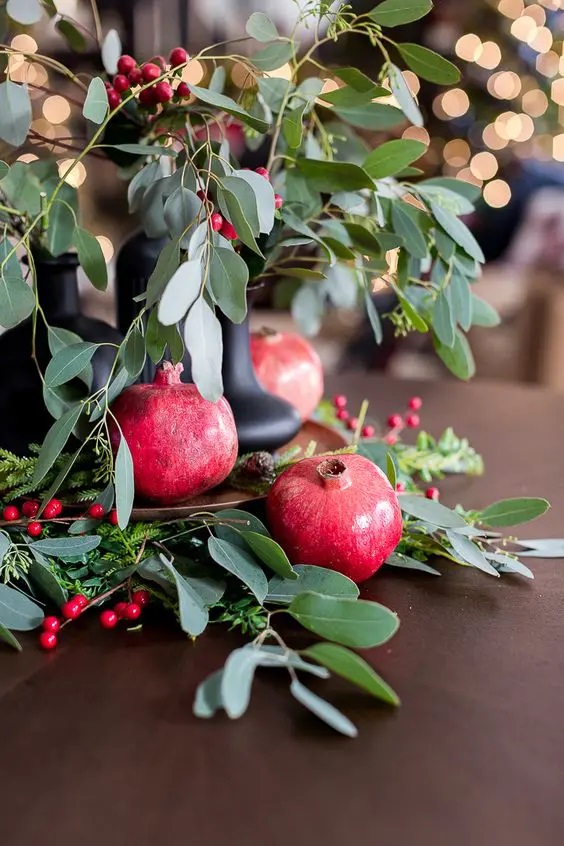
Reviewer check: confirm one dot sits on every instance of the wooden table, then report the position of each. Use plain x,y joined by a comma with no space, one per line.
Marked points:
99,746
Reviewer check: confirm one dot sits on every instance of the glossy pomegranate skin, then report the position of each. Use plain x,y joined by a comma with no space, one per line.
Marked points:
287,365
181,444
349,521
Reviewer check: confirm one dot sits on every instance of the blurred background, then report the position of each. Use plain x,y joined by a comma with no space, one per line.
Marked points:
501,128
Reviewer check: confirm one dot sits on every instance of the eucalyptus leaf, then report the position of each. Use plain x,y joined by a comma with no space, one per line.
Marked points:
7,636
125,488
375,116
292,126
15,112
17,611
95,106
307,309
542,547
66,548
134,353
461,299
226,104
413,239
322,709
72,35
442,320
430,511
352,667
208,698
25,12
228,277
508,564
352,622
244,522
511,512
458,358
403,95
392,13
237,680
54,442
231,208
194,615
458,231
334,176
69,362
470,553
373,317
238,562
182,212
91,257
273,56
17,299
264,198
270,553
60,228
111,51
483,314
393,156
429,65
181,292
406,562
42,576
204,342
260,27
166,266
310,578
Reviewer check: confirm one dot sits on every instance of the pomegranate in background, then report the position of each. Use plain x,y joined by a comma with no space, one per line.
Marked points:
181,444
287,365
339,512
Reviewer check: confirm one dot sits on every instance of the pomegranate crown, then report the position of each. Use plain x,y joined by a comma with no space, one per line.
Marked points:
169,373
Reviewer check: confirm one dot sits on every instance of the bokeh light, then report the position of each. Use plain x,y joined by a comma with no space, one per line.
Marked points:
456,153
468,47
558,147
467,176
548,63
24,42
56,109
492,138
77,175
511,8
497,193
504,85
417,133
107,246
455,102
484,165
535,103
193,73
490,55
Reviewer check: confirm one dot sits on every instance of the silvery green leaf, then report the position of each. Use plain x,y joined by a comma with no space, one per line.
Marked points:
204,342
350,202
152,203
433,512
193,612
308,309
111,51
181,212
15,112
166,266
310,578
239,562
264,196
470,553
238,675
196,240
134,353
25,12
68,362
96,106
276,656
180,293
5,544
66,548
217,81
228,279
140,183
17,299
261,28
17,611
322,709
542,548
403,95
341,285
246,196
54,442
397,559
508,564
125,488
208,696
373,317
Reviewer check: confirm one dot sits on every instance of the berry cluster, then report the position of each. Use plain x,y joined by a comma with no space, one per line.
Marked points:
340,402
131,74
397,422
78,604
30,509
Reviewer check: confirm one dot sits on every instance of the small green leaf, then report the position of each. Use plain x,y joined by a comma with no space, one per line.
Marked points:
392,13
228,279
180,293
17,299
273,56
143,150
226,104
511,512
204,342
166,265
292,126
397,559
194,615
7,636
310,578
264,198
15,113
42,576
407,229
60,229
231,208
458,231
442,320
246,198
392,157
322,709
418,323
134,353
331,177
65,548
261,28
391,470
111,51
17,611
54,442
245,522
270,553
483,314
465,549
154,340
373,317
238,562
24,12
73,36
208,696
125,488
458,186
461,300
375,116
307,309
458,358
352,667
95,106
403,95
431,512
91,257
68,363
429,65
542,547
352,622
237,680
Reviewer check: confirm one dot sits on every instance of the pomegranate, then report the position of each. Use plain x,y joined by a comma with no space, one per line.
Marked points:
339,512
180,443
287,365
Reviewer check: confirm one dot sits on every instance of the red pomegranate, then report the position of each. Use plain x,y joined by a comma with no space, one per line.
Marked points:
339,512
181,444
287,366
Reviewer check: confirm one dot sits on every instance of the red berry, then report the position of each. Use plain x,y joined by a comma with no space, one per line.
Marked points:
352,424
395,421
107,85
141,597
182,90
51,624
49,512
34,529
415,403
147,96
47,640
71,610
126,64
400,487
11,513
150,71
160,61
178,56
202,195
108,619
80,600
121,83
216,221
340,401
30,508
278,201
262,171
342,414
390,440
112,517
114,98
131,611
135,76
96,511
432,493
412,420
119,608
57,505
368,431
163,92
228,231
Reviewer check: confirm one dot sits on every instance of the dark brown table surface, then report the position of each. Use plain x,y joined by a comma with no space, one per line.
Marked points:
98,744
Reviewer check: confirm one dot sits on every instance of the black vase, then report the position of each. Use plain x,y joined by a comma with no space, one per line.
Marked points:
264,422
23,416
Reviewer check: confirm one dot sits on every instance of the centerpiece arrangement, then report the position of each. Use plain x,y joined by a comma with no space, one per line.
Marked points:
330,214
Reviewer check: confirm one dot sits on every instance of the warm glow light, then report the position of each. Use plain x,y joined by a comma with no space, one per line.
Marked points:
328,86
417,133
557,91
467,176
468,47
25,43
535,103
490,56
527,128
241,77
43,127
543,146
27,158
456,153
537,13
412,81
284,72
56,109
497,193
379,282
524,29
558,148
455,102
542,42
107,246
492,139
509,125
548,63
511,8
77,175
484,165
505,85
193,73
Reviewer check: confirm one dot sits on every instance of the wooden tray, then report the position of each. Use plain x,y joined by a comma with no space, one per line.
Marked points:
224,496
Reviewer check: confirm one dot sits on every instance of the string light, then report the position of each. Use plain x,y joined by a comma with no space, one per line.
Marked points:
548,63
535,103
492,139
497,193
77,175
484,165
524,29
504,85
456,153
542,42
511,8
106,246
468,47
490,55
193,73
56,109
455,103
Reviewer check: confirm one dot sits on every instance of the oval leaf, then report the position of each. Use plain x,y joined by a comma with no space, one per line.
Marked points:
7,636
429,65
96,106
54,442
431,512
204,342
334,176
42,576
15,112
125,488
470,553
68,363
25,12
458,358
352,667
398,12
226,104
193,612
240,564
391,158
511,512
310,578
133,357
237,680
352,622
403,95
111,51
270,553
274,56
65,548
322,709
17,612
228,279
260,27
60,229
91,258
180,293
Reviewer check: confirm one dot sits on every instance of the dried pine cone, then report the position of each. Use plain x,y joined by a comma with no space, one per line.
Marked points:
259,465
